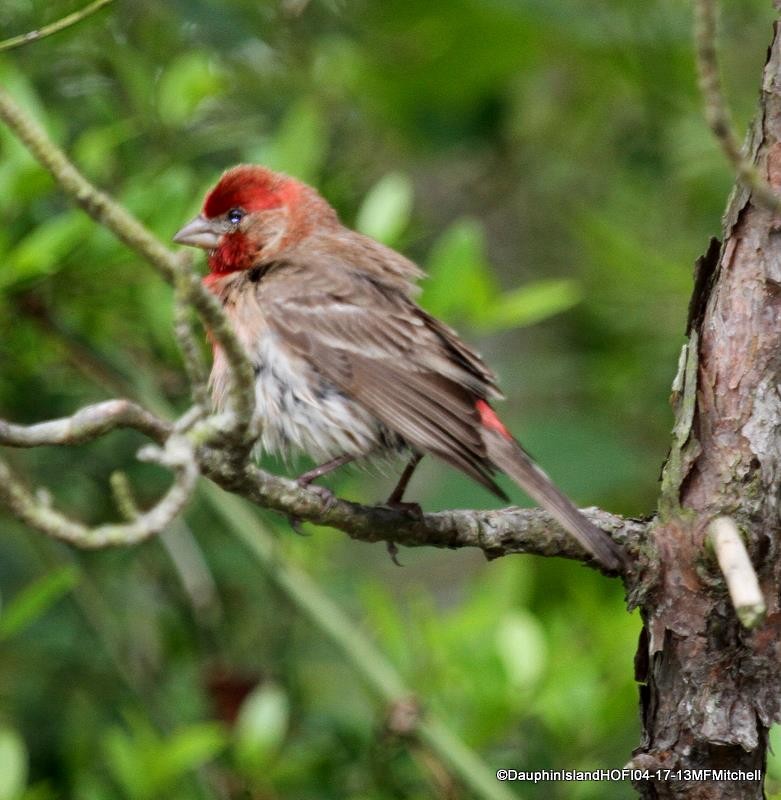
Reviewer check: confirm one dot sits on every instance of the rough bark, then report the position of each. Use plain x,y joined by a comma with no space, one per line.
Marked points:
711,689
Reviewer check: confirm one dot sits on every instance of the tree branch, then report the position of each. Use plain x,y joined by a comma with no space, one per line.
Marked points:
86,424
53,27
716,111
712,688
192,356
177,455
495,532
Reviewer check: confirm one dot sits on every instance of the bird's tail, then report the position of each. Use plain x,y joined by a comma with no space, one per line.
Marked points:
508,456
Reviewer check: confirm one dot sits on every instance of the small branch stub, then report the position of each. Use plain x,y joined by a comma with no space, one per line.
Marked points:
738,571
54,27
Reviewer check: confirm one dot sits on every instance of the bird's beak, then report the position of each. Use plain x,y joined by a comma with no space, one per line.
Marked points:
199,232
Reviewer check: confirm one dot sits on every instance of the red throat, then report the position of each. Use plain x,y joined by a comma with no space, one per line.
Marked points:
490,420
234,253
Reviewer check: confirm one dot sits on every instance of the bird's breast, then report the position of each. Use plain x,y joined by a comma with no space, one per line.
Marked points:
296,408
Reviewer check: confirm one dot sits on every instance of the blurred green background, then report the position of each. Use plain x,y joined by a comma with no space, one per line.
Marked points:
547,162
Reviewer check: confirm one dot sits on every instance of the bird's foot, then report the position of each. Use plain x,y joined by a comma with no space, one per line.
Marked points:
325,494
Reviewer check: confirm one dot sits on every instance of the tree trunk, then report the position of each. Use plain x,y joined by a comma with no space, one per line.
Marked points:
711,689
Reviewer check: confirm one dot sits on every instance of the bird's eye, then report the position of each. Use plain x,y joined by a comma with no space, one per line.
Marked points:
235,215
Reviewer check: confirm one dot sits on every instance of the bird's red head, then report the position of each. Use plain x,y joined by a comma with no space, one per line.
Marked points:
250,188
252,215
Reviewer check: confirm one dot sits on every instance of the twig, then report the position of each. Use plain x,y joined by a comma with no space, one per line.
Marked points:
241,393
191,353
53,27
86,424
123,495
177,455
182,548
104,210
738,571
716,111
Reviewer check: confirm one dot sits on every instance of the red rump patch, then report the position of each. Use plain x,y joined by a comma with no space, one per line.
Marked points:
251,188
490,420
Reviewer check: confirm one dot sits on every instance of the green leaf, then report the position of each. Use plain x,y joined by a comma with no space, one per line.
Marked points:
44,791
186,750
44,250
126,764
528,304
95,150
386,210
13,764
185,84
460,282
299,145
261,726
35,599
520,642
462,286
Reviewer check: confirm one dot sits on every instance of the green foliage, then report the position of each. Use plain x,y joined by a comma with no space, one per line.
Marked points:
520,641
45,249
13,764
145,765
298,146
187,82
35,599
260,728
548,164
386,210
462,285
530,304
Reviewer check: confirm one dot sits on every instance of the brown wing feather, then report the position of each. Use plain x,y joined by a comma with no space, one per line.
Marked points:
430,425
378,347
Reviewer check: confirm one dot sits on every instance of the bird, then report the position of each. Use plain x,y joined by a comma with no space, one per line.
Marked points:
347,365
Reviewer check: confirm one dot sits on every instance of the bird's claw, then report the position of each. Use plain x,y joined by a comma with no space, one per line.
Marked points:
325,494
412,510
393,552
295,524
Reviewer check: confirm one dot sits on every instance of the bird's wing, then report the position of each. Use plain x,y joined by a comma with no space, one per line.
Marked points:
378,347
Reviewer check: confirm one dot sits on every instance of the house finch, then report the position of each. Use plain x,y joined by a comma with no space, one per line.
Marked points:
347,364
